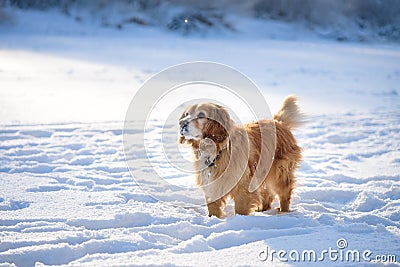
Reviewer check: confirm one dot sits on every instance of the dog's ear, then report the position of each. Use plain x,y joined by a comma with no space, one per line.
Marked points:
221,115
218,126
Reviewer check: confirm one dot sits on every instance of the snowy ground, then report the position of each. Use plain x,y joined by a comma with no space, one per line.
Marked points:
67,197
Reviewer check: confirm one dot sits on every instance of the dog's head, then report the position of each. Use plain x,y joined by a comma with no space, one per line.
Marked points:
204,121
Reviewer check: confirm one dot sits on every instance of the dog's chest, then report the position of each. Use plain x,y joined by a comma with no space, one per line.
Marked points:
205,176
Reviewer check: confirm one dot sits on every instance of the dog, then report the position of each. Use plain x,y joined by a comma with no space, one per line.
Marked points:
251,163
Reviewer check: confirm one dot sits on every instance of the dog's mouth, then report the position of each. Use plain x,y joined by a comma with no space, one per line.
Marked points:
189,136
187,130
184,131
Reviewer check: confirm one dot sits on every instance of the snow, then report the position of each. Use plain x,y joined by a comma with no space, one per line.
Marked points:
67,197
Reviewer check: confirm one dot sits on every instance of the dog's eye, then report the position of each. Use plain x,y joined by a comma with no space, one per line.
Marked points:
186,114
201,115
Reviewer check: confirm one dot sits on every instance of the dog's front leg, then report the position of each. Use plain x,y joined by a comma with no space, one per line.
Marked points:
216,208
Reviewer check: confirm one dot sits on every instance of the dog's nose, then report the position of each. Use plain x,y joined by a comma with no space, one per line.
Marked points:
183,123
183,129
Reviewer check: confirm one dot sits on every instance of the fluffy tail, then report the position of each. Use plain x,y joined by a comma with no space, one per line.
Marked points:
290,113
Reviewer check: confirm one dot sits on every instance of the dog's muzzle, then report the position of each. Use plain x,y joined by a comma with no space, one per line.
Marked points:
184,124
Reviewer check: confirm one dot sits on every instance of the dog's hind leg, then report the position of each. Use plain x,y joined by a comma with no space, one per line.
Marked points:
284,191
268,198
282,183
284,199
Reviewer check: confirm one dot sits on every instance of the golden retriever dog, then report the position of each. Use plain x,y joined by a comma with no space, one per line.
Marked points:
251,164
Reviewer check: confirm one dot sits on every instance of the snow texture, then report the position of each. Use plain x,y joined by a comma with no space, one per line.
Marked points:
68,199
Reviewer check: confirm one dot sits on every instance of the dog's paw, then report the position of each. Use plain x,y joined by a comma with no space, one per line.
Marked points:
220,214
280,211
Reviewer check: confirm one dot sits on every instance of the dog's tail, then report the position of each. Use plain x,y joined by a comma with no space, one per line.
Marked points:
290,113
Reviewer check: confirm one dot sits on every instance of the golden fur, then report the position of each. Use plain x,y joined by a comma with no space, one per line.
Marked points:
228,160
